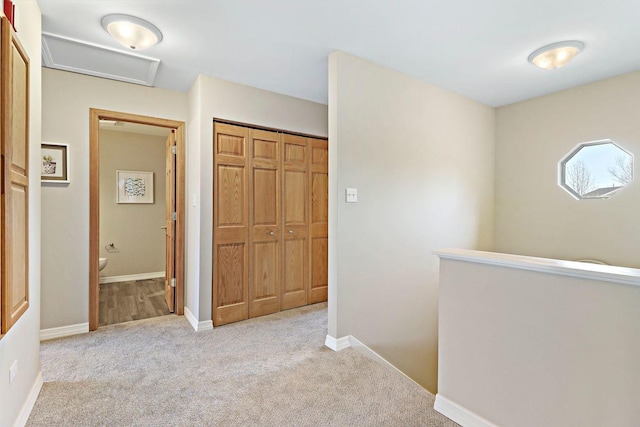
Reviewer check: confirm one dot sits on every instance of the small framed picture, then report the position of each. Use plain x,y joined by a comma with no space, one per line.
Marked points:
134,187
55,162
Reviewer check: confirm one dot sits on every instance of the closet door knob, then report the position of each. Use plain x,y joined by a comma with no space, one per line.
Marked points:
272,233
290,231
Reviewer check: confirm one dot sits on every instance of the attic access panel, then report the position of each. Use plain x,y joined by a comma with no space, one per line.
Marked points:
68,54
596,170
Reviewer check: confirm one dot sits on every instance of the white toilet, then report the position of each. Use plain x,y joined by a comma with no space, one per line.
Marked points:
103,263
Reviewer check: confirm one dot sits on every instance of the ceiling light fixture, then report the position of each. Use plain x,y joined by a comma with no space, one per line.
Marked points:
556,55
132,32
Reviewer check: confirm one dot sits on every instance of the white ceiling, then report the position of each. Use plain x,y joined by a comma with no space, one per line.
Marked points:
476,48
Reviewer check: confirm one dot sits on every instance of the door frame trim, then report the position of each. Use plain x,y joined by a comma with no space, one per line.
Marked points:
266,128
95,115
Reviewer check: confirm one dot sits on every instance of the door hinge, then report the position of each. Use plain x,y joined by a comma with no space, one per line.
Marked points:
173,149
173,283
174,216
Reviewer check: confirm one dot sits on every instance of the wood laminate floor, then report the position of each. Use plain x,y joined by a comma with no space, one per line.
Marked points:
134,300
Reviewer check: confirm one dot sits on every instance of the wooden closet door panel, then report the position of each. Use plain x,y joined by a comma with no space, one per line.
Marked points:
319,200
231,188
19,107
264,281
230,142
295,210
15,178
230,224
266,212
295,256
295,185
17,291
264,219
230,276
319,270
319,220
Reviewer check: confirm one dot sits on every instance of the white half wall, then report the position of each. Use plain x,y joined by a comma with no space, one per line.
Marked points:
528,342
67,98
211,98
422,159
22,343
534,216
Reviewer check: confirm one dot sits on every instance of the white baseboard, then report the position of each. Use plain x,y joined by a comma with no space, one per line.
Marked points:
131,277
23,416
459,414
337,344
205,325
64,331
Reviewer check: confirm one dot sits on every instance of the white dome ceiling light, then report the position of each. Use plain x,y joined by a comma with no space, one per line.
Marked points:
556,55
132,32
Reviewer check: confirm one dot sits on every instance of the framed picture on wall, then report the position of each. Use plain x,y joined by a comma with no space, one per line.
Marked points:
134,187
55,162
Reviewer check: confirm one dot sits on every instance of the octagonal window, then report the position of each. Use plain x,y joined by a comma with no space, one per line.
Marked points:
596,170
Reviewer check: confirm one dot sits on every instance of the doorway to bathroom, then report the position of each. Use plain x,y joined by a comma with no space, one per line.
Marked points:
136,222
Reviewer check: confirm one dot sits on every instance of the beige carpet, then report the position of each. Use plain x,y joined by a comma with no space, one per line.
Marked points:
269,371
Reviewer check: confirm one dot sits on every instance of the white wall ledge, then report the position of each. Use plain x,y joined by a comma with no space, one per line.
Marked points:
582,270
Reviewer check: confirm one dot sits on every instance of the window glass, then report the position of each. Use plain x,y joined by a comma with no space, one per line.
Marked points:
596,170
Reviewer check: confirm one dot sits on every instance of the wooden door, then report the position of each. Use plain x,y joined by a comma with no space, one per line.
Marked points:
319,220
295,217
230,224
265,223
170,224
14,88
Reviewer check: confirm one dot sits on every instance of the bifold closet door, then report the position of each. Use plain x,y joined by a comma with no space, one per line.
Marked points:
295,222
265,230
319,220
230,224
14,147
270,211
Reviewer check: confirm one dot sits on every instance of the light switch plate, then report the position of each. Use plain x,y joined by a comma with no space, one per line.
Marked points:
351,195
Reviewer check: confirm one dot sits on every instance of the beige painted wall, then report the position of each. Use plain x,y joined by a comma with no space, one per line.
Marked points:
212,97
134,229
22,342
66,99
534,216
422,159
527,349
